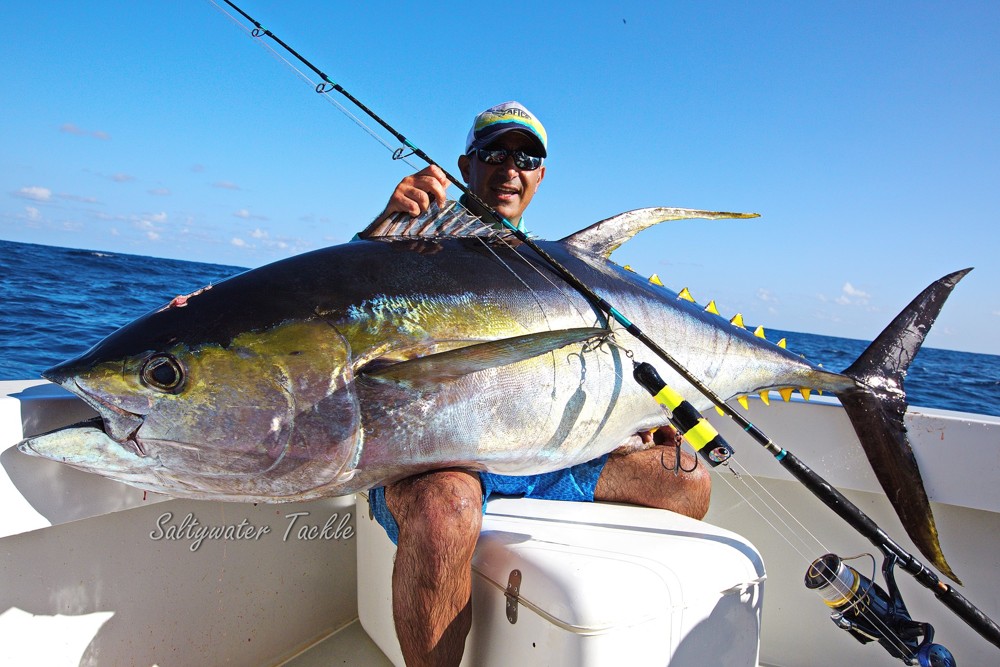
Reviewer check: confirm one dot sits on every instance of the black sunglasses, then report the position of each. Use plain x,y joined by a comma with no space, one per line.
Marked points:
522,160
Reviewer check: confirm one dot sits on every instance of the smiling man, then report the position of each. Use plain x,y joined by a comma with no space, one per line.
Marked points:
435,518
502,164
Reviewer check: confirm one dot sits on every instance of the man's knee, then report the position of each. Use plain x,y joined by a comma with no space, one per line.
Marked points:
651,478
439,513
696,486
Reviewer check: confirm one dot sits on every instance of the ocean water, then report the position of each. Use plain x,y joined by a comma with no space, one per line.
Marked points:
57,302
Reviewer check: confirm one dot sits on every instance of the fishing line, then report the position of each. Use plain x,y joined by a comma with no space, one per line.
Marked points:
397,155
718,451
804,553
743,476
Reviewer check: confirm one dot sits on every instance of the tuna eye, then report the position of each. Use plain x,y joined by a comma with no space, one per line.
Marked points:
162,372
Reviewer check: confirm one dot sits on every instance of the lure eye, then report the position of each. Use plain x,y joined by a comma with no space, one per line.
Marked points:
162,372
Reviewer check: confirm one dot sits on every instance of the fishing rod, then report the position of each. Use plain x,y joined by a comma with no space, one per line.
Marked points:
710,444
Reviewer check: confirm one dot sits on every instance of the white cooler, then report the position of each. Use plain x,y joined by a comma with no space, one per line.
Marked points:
562,583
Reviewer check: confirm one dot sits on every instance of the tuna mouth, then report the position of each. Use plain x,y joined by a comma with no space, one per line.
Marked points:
120,425
86,446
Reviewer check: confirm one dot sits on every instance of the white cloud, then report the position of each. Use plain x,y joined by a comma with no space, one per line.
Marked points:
150,223
258,234
247,215
70,128
238,242
851,295
32,212
851,290
766,296
35,192
225,185
77,198
159,192
122,178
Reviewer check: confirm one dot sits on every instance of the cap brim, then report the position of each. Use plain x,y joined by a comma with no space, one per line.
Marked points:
485,141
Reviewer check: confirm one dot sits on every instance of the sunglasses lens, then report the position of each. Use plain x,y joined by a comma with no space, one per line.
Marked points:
492,157
527,162
521,159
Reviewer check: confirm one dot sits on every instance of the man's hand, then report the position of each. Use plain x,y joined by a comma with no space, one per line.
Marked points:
415,193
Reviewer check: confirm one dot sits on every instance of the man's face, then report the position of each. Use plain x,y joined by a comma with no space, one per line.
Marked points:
503,186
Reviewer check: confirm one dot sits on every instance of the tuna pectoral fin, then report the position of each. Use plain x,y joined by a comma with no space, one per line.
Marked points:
453,364
877,406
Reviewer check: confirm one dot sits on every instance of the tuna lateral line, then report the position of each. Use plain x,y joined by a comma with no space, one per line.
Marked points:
689,419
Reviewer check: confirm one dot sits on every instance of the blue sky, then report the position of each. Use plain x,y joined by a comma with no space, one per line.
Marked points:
865,134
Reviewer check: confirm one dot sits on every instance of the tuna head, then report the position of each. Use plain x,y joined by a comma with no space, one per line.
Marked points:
267,414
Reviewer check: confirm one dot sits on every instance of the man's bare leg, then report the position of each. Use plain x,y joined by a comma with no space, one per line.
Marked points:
439,516
640,478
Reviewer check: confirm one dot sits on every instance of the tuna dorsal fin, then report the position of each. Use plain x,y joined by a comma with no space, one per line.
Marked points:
453,364
450,220
604,237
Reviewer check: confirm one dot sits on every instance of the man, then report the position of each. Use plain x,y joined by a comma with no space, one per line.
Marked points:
435,518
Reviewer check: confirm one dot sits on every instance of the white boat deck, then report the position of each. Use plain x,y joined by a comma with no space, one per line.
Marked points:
86,583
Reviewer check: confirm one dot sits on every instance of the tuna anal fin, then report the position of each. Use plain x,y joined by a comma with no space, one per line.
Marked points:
453,364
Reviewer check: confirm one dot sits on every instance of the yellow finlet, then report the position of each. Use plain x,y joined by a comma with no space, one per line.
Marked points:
766,397
722,413
786,393
805,391
744,402
737,321
759,332
710,308
628,267
655,279
686,295
783,344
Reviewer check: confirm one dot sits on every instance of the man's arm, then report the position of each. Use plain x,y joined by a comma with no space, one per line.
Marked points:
415,193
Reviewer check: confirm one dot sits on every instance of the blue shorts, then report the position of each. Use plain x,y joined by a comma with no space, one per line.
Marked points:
576,483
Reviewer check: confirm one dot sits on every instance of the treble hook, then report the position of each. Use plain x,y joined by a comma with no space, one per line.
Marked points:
677,468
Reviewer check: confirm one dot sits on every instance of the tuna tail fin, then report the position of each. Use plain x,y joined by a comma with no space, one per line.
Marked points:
876,410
